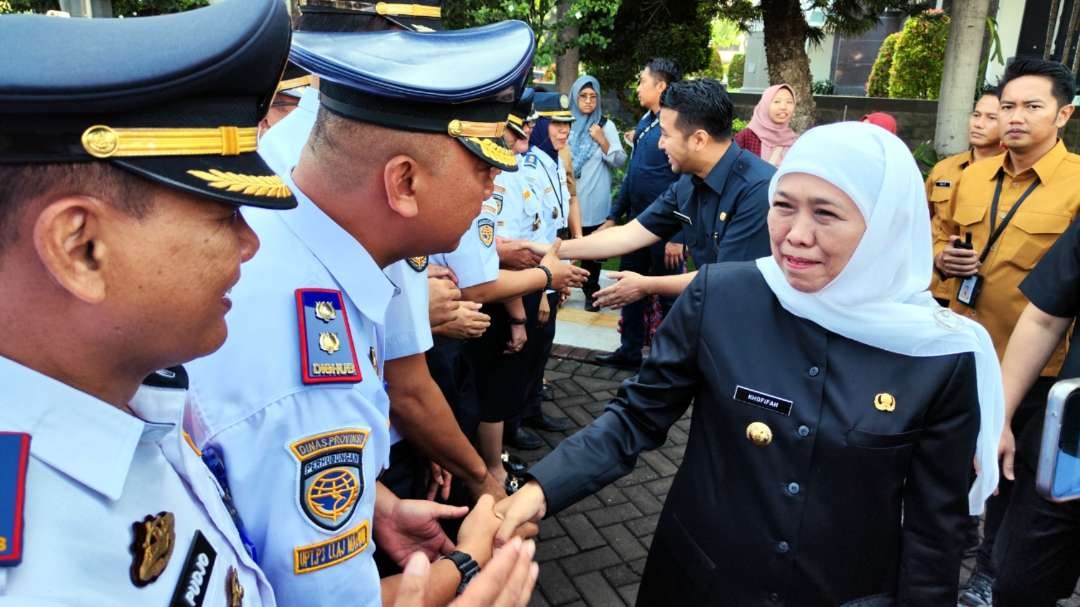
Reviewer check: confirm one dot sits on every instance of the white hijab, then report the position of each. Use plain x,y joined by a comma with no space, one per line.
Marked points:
880,298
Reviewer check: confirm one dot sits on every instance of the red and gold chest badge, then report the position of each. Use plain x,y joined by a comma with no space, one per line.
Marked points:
327,354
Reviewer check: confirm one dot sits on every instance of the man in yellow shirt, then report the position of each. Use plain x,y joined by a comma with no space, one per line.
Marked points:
984,140
1014,206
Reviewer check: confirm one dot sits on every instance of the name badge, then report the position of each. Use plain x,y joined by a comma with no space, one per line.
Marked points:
763,400
194,580
943,184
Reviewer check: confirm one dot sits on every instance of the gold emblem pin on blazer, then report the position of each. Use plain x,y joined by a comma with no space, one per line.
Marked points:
885,402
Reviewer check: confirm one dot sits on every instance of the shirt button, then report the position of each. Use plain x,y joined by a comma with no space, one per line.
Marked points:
813,371
804,431
783,547
793,488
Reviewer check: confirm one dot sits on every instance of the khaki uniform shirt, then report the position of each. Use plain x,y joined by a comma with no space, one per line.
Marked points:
941,182
1038,223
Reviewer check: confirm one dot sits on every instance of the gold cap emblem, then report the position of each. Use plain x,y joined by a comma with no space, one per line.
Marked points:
155,537
885,402
100,141
324,311
759,434
329,342
233,590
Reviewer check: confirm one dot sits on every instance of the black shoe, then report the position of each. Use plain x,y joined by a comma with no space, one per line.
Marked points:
547,392
514,465
546,422
978,592
618,359
590,304
524,439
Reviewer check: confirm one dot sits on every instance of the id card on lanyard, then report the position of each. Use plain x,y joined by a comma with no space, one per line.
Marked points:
970,287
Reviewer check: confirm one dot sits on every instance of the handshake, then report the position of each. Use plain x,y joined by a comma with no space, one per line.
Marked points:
492,535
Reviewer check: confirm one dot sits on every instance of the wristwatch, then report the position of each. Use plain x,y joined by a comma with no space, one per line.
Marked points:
466,566
547,287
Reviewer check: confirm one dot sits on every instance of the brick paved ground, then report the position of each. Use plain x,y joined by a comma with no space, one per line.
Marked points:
592,554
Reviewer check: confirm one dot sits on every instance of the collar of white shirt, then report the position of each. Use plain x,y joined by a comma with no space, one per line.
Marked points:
80,435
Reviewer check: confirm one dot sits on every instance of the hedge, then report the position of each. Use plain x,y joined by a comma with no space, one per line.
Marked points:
919,58
878,83
735,71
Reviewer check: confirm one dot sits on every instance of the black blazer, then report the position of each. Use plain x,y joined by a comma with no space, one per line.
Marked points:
847,501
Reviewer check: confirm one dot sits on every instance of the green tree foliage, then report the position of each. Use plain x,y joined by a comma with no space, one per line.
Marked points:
736,70
643,29
878,83
5,7
919,58
121,8
725,34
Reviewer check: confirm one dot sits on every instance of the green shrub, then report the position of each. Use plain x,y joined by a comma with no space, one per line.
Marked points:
878,83
823,87
735,71
738,124
919,57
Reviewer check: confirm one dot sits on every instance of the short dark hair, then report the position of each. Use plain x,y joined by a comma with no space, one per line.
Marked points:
21,184
994,90
701,104
1063,85
665,69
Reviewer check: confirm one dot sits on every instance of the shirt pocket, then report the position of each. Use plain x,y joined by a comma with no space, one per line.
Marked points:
1029,236
968,215
939,199
870,440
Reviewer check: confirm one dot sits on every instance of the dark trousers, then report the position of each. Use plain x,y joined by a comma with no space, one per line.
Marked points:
1033,405
541,339
1037,551
592,285
649,262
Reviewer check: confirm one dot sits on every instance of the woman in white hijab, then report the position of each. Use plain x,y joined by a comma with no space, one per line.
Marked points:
837,407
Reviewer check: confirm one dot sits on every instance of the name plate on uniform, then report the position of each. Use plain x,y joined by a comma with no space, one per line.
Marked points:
327,353
194,580
763,400
14,454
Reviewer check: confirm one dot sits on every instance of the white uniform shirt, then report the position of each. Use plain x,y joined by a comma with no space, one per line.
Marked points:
407,328
518,214
475,260
547,180
92,473
302,459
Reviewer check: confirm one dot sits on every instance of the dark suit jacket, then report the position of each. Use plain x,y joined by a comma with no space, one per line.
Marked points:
814,517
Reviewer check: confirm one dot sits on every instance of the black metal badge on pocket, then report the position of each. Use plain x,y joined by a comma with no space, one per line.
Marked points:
765,401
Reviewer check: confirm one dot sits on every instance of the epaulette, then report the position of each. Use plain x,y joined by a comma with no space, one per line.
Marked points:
14,455
327,352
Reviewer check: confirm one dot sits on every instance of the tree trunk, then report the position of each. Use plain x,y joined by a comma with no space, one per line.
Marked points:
1071,37
960,75
566,64
785,52
1051,28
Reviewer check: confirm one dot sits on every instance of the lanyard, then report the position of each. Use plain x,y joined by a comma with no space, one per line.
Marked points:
995,232
645,130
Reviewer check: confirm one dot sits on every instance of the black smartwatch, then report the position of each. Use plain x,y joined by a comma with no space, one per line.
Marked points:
519,321
466,566
547,287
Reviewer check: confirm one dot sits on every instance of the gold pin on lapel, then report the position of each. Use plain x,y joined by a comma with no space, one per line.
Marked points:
233,590
759,434
152,547
885,402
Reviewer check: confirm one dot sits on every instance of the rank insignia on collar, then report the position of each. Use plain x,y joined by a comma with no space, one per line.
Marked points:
330,475
327,354
943,184
417,263
234,592
486,228
14,455
155,537
885,402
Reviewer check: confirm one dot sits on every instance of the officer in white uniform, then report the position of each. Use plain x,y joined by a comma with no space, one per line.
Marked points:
295,400
104,499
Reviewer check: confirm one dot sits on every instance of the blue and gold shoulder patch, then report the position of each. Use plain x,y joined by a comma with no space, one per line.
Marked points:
330,475
14,455
327,354
486,229
531,160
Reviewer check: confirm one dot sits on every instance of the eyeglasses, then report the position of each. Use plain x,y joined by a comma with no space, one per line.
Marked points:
587,97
